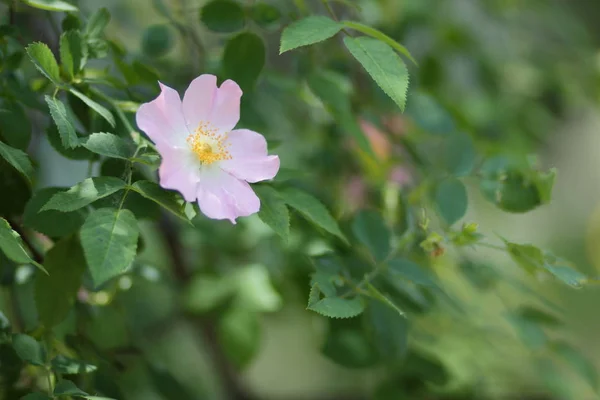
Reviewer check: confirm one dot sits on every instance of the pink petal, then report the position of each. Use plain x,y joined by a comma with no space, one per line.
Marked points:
226,107
180,170
162,119
223,196
198,100
249,160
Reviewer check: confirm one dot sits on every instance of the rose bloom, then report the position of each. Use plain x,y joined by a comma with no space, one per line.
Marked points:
203,157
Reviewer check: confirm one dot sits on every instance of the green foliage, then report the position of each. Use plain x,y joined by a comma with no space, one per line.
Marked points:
65,365
265,15
244,59
169,200
222,16
43,59
274,211
73,53
370,229
55,292
337,307
109,239
109,145
308,31
28,349
84,193
312,209
104,113
18,160
157,41
12,246
15,127
451,200
68,136
385,67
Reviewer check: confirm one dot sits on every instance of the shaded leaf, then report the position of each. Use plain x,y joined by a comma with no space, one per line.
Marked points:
239,333
167,199
28,349
222,16
244,59
97,23
273,211
66,365
56,292
409,270
12,247
451,200
72,52
18,159
104,113
370,229
157,41
15,126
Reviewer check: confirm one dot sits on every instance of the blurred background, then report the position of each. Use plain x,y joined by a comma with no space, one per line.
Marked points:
218,311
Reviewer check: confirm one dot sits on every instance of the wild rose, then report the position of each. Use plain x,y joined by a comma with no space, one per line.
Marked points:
203,157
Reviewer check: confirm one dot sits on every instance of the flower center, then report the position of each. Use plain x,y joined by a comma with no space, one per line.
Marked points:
208,145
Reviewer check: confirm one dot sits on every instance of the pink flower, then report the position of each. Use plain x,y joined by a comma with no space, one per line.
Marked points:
203,157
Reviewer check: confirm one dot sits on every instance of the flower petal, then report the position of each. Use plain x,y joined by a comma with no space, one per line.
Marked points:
223,196
249,160
162,119
180,170
198,100
226,107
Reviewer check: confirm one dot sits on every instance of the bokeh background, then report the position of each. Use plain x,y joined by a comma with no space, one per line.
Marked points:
518,77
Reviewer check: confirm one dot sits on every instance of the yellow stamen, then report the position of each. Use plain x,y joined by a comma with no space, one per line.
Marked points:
208,145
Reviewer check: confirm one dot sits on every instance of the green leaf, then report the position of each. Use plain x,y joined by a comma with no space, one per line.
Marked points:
50,222
326,277
15,126
377,295
43,59
28,349
313,210
104,113
308,31
370,229
409,270
337,307
578,362
565,273
66,365
538,316
527,256
451,200
165,198
68,388
222,16
385,66
73,52
374,33
12,247
97,23
78,153
109,145
429,115
68,136
458,154
244,59
52,5
55,293
109,238
265,15
325,85
18,159
348,344
84,193
529,332
205,292
273,211
239,333
389,331
157,41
